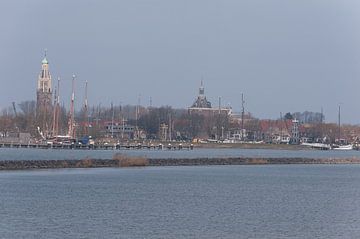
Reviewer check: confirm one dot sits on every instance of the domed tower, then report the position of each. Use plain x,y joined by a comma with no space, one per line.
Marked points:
44,98
201,101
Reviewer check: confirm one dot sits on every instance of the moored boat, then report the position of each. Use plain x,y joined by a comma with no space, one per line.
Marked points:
343,147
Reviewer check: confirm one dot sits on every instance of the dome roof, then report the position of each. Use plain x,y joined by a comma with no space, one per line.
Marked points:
45,61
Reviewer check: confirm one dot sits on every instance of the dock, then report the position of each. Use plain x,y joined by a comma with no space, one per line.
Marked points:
138,146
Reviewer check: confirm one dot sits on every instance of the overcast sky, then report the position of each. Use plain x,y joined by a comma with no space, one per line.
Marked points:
285,56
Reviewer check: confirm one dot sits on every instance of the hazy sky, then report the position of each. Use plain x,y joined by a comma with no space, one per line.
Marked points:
284,55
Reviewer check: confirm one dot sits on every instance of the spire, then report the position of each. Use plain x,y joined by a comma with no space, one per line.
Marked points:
201,101
45,61
44,80
201,89
44,106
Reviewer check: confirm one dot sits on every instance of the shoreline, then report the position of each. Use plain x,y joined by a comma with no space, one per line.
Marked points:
135,145
120,161
250,146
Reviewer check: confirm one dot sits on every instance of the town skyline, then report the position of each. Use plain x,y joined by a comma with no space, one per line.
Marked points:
163,51
79,100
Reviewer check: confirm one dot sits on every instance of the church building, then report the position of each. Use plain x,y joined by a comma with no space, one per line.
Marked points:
44,98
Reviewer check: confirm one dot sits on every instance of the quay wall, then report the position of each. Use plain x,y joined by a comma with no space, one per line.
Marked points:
124,161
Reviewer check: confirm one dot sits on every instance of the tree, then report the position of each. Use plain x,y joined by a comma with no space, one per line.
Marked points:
151,121
288,116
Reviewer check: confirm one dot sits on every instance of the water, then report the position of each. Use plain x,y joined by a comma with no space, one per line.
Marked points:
263,201
50,154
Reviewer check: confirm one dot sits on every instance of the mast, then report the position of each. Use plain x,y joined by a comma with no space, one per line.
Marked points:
71,122
112,120
137,116
54,114
219,105
170,125
219,121
56,109
281,127
339,133
242,116
321,124
86,118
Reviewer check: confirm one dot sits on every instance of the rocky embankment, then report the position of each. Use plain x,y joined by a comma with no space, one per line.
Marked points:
125,161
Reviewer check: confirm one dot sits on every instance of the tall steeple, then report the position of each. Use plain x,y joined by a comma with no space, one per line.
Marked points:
201,90
44,97
201,101
44,80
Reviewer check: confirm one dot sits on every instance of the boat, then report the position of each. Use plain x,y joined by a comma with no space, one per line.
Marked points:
343,147
61,140
320,146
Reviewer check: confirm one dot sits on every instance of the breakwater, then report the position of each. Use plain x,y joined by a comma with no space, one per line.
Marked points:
125,161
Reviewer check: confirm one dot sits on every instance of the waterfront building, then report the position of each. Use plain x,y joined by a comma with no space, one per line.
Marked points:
215,123
203,107
119,130
201,101
44,98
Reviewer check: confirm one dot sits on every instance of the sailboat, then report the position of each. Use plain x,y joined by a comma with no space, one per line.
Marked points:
340,146
69,138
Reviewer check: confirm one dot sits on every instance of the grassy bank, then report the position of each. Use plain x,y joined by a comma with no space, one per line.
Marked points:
125,161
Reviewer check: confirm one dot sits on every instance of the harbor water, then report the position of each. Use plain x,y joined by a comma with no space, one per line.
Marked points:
258,201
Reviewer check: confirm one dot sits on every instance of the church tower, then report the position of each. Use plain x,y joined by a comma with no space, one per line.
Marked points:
201,101
44,98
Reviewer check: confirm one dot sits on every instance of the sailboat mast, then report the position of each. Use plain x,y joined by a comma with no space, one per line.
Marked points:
54,115
339,135
242,116
71,122
321,123
86,125
56,110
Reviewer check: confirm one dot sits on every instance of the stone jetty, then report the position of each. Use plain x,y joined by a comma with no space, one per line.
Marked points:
125,161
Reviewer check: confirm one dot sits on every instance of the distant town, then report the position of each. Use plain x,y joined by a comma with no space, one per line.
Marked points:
47,121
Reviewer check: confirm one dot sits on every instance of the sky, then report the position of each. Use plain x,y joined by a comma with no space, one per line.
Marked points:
284,56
